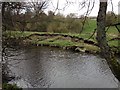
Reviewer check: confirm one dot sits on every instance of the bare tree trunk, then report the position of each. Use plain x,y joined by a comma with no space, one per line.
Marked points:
102,42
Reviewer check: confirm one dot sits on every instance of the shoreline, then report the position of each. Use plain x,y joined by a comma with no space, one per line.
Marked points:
58,40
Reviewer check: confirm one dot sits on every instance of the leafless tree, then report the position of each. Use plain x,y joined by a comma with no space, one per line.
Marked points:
102,42
37,6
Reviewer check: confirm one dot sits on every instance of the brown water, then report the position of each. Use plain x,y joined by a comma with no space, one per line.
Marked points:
43,67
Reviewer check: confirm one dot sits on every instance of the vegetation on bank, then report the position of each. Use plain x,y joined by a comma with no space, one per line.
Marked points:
79,42
6,86
63,40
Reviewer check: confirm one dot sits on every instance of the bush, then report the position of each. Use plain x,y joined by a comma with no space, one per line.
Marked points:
75,26
6,86
57,27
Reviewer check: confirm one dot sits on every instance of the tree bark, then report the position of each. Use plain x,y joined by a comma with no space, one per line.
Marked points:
106,51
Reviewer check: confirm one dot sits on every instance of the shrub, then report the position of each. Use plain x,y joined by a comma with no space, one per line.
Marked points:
6,86
57,27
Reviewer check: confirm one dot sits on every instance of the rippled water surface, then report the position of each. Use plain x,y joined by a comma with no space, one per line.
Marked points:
56,68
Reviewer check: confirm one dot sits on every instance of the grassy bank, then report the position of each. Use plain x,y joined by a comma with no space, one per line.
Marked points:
62,40
77,42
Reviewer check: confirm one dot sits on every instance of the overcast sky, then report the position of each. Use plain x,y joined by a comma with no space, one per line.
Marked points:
75,8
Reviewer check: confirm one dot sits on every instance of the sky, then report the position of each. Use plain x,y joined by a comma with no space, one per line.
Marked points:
75,8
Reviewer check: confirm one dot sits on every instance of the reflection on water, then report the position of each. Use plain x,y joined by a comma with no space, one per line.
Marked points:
55,68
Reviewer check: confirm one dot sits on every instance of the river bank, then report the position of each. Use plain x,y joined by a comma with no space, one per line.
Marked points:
65,41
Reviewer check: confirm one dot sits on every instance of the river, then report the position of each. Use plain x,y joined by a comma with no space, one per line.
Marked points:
46,67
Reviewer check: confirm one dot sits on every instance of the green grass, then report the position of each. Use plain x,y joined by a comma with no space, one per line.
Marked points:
112,33
90,26
66,43
113,43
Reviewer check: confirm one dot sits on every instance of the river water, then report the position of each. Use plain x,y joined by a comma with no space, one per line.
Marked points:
46,67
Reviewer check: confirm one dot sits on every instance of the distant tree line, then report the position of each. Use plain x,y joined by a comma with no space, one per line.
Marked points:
30,16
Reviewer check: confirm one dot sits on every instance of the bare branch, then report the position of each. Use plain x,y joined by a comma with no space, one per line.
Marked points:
57,7
112,5
38,6
92,34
